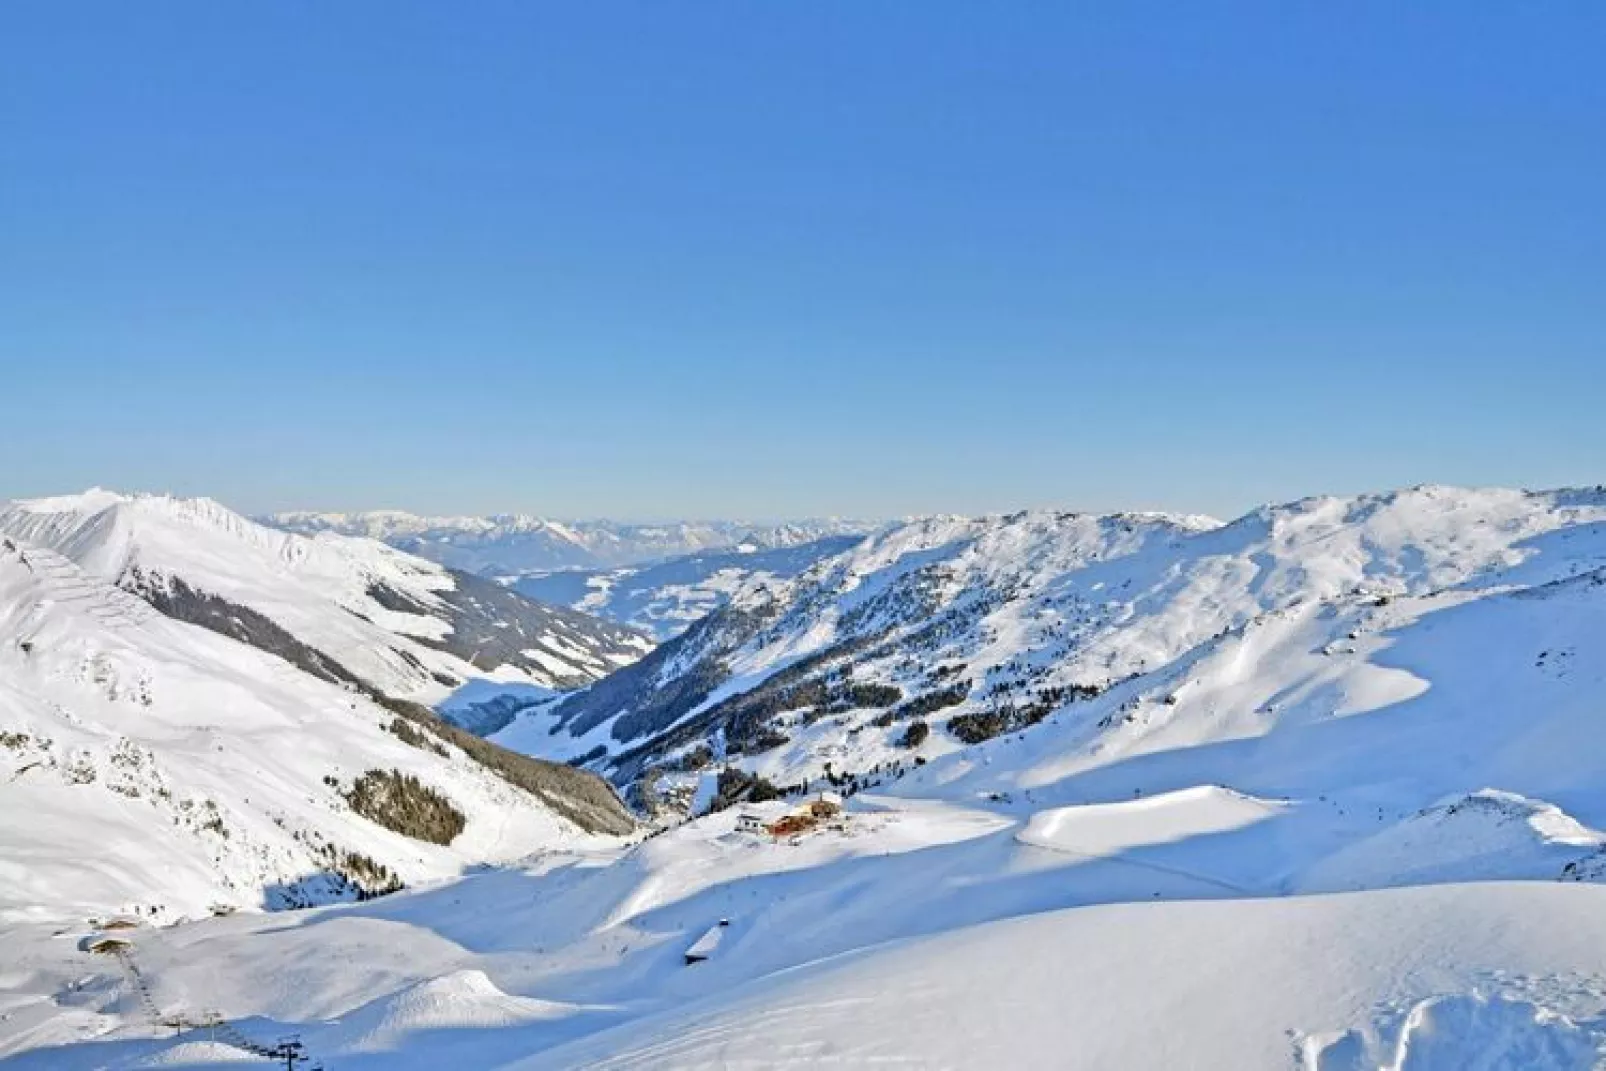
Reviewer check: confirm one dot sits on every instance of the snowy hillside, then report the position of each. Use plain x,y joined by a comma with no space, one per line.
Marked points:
930,929
350,610
510,545
664,598
1322,789
153,768
1135,632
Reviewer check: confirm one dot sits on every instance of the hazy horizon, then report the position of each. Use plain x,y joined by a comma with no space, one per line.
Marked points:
777,519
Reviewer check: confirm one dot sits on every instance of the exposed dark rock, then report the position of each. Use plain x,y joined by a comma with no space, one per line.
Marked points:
176,599
493,626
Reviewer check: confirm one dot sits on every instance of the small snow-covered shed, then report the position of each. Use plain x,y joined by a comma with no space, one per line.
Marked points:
706,945
749,822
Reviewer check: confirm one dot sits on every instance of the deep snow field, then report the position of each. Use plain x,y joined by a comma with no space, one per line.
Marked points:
1351,831
922,934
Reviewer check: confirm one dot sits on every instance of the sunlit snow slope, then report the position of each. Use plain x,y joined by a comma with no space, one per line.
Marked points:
1130,633
1320,789
664,598
348,609
154,768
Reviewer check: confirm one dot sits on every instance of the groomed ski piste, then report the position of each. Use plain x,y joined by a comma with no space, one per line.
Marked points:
1309,850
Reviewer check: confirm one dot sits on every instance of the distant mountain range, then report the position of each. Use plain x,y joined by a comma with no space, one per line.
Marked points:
664,598
1135,632
513,545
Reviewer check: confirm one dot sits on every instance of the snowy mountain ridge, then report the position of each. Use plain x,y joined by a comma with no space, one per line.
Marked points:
978,627
157,769
665,598
515,544
1321,788
364,612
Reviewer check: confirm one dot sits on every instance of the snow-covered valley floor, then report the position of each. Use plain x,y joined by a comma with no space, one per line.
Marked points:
1019,932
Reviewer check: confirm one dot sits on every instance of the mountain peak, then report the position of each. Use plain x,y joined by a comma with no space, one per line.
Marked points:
357,609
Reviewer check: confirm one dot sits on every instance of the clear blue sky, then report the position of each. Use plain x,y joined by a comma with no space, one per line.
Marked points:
764,259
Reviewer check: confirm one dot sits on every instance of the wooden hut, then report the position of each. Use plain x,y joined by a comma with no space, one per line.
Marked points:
791,825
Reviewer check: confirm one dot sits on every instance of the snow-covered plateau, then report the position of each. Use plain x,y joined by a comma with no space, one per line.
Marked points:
1322,788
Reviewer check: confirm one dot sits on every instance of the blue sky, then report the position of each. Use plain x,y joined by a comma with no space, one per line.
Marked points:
871,258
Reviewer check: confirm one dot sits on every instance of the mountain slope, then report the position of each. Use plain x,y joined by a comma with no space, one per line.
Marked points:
987,627
512,544
1200,985
349,610
154,768
664,598
1324,789
897,609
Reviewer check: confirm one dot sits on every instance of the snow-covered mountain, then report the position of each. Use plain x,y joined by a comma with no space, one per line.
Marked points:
664,598
347,609
157,769
1322,789
961,630
513,544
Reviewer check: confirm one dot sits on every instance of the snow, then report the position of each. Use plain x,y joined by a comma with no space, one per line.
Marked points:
198,1053
318,588
1450,1033
706,945
1109,828
460,1000
664,598
513,544
531,733
1291,617
158,769
1210,985
1485,834
957,950
1318,818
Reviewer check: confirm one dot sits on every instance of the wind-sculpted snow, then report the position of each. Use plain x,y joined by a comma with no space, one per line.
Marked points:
343,608
1457,1031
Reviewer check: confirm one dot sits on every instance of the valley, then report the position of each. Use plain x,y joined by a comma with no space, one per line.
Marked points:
1162,756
